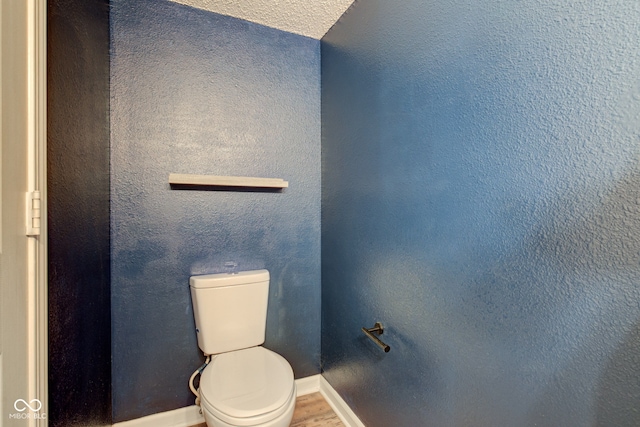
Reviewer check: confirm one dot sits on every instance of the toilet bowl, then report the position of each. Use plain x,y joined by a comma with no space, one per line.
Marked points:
252,387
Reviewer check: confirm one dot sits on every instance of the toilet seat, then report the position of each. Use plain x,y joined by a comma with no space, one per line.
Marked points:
247,387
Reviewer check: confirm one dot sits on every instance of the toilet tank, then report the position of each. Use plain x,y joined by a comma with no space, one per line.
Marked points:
230,310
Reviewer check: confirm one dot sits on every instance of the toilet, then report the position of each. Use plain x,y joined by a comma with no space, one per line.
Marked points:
245,384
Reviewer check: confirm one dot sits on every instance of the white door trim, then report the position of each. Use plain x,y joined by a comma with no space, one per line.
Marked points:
24,264
37,181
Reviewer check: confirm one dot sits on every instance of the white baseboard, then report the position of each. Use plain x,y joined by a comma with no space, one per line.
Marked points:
182,417
339,406
189,416
308,385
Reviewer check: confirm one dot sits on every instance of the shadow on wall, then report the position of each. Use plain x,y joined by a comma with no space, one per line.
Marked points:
569,313
78,213
546,335
619,388
598,255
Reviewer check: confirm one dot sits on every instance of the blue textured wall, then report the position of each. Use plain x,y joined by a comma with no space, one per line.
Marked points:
481,198
78,213
196,92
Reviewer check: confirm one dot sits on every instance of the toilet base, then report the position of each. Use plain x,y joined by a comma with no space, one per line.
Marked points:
282,421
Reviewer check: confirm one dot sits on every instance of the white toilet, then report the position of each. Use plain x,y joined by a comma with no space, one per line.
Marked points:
244,384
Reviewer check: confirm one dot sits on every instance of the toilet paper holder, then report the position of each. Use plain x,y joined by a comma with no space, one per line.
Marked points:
378,329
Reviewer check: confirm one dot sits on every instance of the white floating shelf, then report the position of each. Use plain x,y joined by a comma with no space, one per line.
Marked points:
226,181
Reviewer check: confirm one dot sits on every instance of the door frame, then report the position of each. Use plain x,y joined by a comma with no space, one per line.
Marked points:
37,181
24,340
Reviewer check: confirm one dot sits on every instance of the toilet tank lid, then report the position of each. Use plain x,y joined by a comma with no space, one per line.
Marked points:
228,279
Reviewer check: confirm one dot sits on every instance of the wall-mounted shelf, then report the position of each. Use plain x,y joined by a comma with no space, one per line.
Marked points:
178,179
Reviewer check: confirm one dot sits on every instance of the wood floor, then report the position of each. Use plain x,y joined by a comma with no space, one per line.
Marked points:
311,411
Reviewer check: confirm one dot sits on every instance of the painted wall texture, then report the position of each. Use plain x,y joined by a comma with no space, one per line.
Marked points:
78,213
481,198
196,92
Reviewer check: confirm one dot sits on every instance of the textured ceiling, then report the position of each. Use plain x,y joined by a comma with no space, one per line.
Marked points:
311,18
